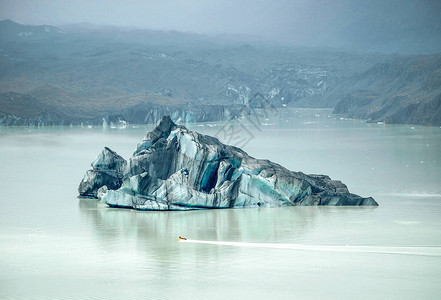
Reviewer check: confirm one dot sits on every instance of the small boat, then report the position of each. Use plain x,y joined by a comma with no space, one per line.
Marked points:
182,238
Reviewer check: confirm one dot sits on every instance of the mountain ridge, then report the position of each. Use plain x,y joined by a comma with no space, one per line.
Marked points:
99,75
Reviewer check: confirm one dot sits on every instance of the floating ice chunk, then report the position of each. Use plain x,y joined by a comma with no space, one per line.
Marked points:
183,170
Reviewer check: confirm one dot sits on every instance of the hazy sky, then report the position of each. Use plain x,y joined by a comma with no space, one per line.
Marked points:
280,19
183,15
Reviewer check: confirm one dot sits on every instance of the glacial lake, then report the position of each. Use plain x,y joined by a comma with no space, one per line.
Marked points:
55,246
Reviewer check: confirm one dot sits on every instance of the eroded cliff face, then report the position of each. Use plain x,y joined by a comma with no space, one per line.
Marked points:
22,110
174,168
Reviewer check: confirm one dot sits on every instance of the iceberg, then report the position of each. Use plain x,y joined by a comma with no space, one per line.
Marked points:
107,171
174,168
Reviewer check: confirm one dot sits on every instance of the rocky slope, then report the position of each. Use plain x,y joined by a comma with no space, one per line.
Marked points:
404,90
18,109
174,168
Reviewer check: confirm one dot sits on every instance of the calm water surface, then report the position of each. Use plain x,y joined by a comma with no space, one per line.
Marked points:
54,246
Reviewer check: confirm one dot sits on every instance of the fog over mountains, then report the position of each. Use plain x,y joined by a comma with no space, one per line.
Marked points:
387,26
378,61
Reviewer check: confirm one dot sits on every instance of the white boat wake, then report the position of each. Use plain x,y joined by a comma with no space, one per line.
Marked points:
408,250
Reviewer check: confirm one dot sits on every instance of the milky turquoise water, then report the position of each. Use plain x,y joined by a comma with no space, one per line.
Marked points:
54,246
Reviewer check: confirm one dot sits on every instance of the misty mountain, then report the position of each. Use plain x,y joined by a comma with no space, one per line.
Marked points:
404,27
409,27
404,90
10,31
86,73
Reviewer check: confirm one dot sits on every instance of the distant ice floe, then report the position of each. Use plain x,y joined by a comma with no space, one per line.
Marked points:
412,195
121,124
402,222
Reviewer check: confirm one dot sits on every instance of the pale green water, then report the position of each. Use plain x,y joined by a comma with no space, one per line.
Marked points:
54,246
